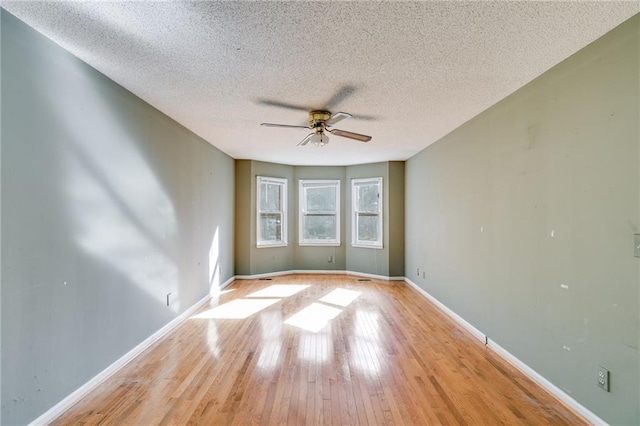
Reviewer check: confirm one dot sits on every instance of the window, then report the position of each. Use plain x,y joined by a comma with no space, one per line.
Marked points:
319,212
366,203
272,212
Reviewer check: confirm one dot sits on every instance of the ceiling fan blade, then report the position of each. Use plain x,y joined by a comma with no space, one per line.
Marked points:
343,93
279,104
350,135
306,139
338,116
284,125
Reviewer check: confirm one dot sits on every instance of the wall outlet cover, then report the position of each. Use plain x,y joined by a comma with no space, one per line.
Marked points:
602,378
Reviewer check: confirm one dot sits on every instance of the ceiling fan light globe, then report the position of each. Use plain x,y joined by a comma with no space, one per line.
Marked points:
319,139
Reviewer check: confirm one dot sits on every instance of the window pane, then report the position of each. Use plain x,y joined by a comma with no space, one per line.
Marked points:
368,198
368,228
320,227
270,197
271,226
321,199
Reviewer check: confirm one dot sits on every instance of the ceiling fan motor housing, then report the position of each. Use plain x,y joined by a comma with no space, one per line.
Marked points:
321,121
318,117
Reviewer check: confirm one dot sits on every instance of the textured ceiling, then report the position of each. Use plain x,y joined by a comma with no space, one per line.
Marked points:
412,71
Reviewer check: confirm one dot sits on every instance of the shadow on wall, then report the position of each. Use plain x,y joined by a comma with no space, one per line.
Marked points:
118,210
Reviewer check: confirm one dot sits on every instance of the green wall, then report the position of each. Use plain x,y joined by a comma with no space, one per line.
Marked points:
523,221
244,228
388,261
396,216
317,258
251,260
107,206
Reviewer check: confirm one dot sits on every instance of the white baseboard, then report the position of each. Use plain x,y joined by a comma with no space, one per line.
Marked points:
62,406
374,276
550,387
318,272
457,318
563,397
227,282
265,275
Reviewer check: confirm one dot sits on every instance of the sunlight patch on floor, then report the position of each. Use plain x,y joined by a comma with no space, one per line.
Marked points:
341,297
279,290
314,317
236,309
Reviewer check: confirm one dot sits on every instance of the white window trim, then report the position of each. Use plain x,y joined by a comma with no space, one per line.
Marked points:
302,213
354,214
283,206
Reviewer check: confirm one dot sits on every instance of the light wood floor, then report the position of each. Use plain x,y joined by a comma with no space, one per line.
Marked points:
389,357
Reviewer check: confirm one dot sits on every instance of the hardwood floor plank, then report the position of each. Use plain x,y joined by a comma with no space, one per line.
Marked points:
388,357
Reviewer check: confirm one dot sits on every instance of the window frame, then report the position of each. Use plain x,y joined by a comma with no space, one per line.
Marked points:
284,183
355,213
302,213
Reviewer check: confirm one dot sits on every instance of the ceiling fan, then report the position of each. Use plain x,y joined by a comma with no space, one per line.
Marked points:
320,123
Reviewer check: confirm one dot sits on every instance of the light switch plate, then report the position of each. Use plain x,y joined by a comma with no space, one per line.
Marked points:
636,245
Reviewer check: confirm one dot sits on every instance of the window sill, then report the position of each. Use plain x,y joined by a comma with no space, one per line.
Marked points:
272,245
367,246
319,244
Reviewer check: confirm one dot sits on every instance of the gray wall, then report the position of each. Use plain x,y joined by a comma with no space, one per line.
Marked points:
537,194
251,260
107,206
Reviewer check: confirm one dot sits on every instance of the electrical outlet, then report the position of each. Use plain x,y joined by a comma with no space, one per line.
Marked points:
330,259
602,378
418,272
